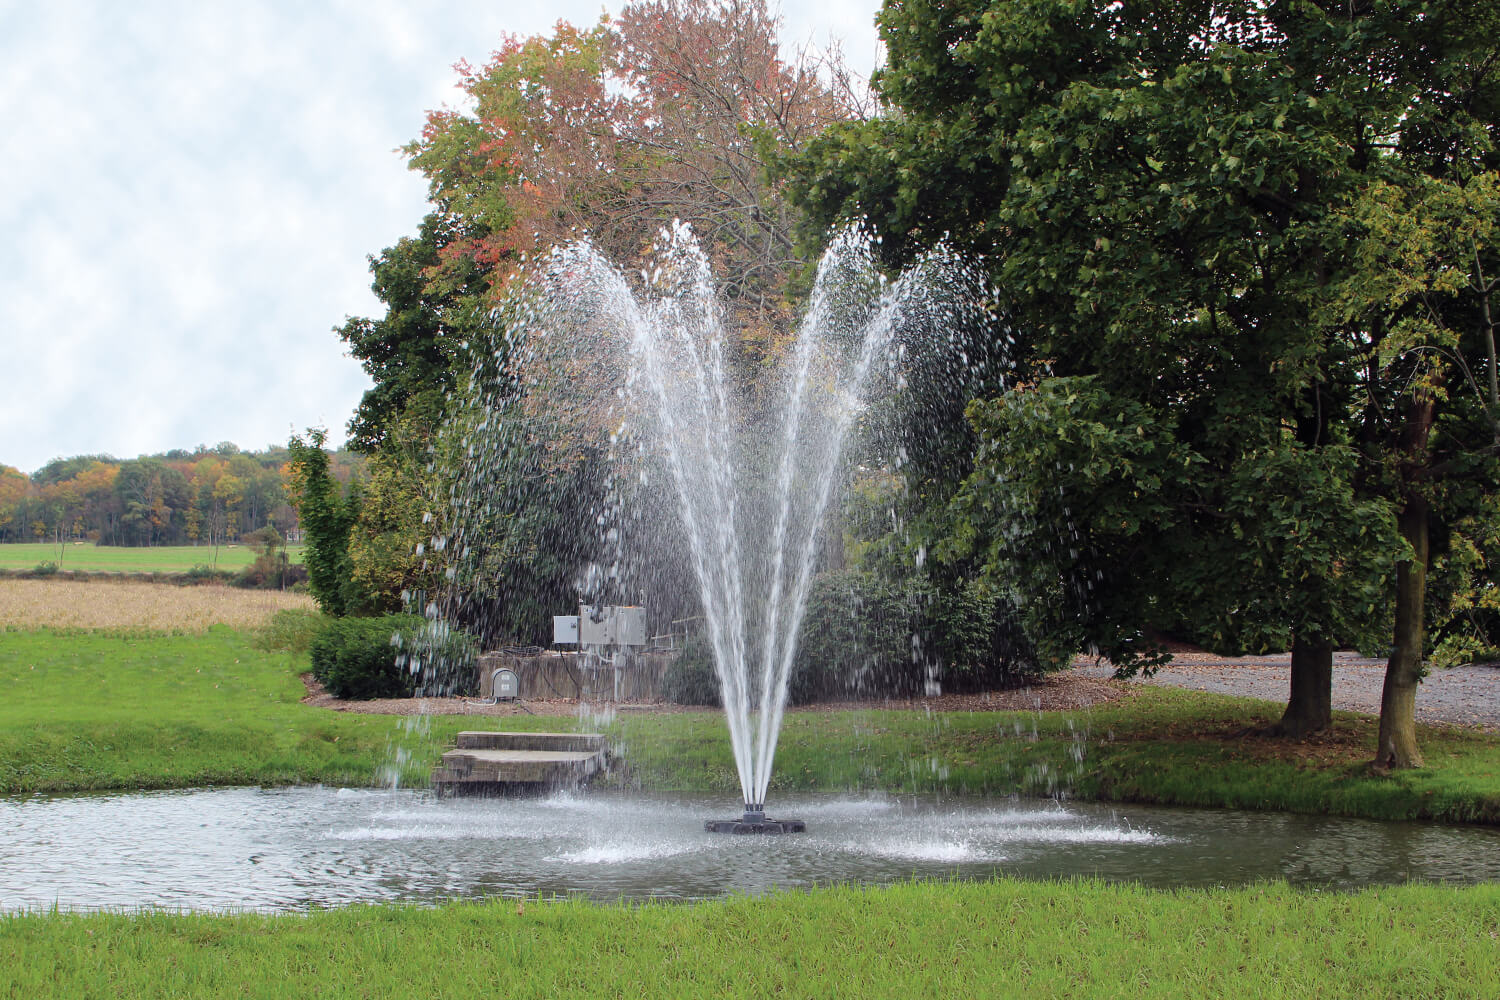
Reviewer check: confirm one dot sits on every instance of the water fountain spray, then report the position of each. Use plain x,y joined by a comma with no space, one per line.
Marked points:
750,499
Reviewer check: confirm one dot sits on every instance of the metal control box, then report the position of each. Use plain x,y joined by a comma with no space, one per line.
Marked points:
564,629
608,625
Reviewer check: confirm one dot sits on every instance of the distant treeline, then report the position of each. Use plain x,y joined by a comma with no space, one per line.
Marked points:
205,496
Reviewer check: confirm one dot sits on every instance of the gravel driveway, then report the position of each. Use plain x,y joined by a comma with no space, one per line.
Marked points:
1467,695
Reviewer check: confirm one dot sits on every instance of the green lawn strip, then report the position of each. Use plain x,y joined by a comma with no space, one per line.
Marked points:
96,710
997,938
1162,746
91,558
90,710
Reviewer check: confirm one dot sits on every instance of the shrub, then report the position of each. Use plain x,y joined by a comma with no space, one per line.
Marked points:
865,634
356,658
857,637
438,658
201,574
690,679
44,568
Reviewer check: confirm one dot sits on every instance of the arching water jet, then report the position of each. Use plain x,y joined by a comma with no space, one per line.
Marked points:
750,489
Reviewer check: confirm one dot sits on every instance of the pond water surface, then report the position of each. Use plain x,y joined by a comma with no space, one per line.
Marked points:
294,848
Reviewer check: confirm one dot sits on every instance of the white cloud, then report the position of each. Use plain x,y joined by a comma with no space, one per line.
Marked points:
191,191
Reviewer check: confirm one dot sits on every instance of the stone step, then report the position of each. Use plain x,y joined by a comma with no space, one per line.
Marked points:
490,763
561,742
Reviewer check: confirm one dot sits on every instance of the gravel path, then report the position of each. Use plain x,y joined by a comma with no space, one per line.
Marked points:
1468,695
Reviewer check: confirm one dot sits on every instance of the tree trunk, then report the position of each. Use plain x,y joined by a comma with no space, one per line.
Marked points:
1309,708
1397,745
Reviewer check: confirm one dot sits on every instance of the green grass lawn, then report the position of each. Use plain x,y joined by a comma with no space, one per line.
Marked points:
1004,938
91,558
89,710
92,710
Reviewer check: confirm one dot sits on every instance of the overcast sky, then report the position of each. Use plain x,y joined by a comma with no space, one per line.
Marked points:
190,192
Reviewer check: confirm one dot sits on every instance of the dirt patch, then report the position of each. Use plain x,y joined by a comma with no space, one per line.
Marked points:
1060,692
318,697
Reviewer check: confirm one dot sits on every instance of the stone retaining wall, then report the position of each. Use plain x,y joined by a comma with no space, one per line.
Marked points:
635,677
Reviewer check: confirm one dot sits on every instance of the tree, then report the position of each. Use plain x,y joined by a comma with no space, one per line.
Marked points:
1422,284
414,352
671,112
1164,193
610,131
326,517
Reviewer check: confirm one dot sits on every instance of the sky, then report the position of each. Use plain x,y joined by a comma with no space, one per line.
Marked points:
189,193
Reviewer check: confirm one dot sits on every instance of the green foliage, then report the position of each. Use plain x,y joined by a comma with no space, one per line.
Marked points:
326,516
45,568
439,658
858,636
1225,221
357,658
690,679
866,634
414,352
394,527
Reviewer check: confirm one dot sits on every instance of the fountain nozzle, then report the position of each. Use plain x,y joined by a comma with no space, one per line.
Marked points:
754,821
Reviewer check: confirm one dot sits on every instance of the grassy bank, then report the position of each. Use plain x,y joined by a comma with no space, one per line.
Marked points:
92,710
1005,938
86,557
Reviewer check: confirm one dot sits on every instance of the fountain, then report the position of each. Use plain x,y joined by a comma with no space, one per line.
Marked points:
649,365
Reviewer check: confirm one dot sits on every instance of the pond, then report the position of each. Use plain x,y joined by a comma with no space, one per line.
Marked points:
294,848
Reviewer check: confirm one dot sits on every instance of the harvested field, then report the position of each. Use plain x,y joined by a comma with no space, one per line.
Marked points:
158,607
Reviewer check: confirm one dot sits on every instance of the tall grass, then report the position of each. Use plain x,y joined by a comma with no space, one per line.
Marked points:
996,939
125,604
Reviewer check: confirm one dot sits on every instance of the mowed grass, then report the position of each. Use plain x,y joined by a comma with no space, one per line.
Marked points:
127,604
195,702
995,939
1159,746
86,557
92,710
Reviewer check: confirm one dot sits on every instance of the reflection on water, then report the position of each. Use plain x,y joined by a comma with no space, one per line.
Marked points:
275,849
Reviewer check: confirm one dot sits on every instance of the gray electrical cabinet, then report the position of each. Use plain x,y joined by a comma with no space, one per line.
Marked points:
564,629
607,625
630,626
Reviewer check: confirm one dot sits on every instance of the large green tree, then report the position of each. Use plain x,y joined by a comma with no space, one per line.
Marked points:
416,352
1166,192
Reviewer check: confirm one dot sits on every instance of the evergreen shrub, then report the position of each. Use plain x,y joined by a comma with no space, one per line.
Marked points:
690,679
357,658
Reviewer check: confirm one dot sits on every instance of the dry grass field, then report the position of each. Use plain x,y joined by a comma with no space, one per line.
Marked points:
101,604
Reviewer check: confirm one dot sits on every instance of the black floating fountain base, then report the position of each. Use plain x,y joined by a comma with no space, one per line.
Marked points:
754,821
